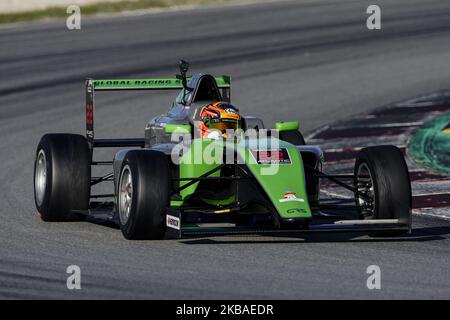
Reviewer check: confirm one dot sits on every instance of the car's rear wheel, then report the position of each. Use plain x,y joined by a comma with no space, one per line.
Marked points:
143,194
382,186
62,173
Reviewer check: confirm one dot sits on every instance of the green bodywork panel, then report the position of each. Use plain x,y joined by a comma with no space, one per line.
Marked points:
275,180
288,178
150,83
192,163
177,128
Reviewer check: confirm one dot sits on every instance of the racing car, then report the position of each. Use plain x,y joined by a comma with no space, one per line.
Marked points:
266,182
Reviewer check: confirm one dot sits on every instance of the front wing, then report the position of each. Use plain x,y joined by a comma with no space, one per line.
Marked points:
321,223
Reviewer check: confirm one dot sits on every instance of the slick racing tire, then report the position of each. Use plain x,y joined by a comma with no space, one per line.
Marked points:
143,194
382,186
62,173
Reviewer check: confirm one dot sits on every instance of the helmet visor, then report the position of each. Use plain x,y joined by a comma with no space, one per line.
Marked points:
223,126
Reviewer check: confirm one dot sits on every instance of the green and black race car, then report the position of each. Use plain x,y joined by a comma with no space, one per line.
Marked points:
174,183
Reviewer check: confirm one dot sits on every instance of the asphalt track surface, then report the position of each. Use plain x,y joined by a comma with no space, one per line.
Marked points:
313,61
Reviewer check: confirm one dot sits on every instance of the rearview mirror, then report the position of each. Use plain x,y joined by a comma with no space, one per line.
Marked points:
287,125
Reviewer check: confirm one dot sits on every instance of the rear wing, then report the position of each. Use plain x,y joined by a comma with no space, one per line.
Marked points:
223,83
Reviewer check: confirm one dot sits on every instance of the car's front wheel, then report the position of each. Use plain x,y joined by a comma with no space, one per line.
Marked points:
382,185
143,194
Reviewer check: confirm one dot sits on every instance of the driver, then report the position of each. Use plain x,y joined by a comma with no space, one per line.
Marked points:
216,118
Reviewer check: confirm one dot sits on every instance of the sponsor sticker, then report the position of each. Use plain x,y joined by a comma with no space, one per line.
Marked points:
173,222
273,156
291,196
296,210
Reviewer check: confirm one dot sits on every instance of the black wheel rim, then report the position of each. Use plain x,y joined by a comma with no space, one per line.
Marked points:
365,192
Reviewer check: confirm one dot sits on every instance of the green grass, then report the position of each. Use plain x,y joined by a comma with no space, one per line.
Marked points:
101,7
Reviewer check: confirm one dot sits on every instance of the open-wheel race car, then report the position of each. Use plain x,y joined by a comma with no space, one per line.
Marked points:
204,169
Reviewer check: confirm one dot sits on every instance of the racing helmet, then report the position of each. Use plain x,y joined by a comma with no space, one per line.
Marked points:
217,117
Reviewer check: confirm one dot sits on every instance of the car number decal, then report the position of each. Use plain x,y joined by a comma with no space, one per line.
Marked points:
272,156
